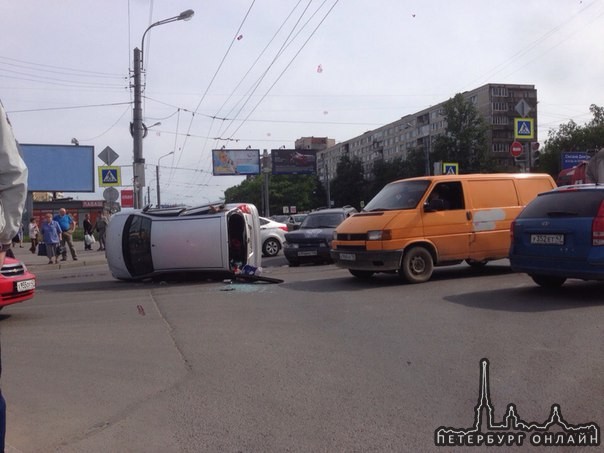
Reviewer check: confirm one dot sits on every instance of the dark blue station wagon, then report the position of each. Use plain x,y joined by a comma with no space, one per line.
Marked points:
560,235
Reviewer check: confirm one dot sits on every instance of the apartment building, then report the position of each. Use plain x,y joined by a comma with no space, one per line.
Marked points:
499,105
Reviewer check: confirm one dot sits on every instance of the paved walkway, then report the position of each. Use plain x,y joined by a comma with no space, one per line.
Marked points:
85,257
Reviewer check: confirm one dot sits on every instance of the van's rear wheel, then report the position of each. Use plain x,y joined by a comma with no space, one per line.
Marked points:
476,264
361,274
548,281
417,265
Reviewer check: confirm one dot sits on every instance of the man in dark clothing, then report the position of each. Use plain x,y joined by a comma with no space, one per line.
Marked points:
88,230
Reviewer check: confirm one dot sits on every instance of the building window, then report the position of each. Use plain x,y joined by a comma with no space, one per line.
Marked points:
500,92
501,147
500,106
501,120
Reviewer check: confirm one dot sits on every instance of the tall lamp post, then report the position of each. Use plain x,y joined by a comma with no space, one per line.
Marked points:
137,114
157,177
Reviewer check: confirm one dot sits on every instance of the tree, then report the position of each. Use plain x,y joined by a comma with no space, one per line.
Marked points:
465,140
572,137
303,191
348,186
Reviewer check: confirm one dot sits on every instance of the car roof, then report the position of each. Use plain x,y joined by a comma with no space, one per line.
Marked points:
334,210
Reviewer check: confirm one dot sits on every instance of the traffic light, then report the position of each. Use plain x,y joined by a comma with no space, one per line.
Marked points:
535,155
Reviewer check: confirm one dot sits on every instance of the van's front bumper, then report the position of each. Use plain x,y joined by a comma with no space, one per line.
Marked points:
377,261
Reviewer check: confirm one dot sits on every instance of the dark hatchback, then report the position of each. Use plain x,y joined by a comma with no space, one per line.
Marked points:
560,235
312,241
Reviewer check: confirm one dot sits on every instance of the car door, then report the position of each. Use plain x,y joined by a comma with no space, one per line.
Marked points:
449,226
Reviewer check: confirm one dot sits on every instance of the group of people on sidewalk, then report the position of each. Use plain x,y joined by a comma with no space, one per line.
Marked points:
56,234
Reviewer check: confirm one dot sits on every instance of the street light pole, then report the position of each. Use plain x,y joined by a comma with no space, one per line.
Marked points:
137,113
157,177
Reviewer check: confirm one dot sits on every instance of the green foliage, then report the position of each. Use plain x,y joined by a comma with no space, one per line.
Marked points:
465,141
572,137
303,191
397,168
348,187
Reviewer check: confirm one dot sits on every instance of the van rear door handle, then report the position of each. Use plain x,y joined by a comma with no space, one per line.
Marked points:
469,215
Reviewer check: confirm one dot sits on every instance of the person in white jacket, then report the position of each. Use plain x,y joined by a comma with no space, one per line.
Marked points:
13,191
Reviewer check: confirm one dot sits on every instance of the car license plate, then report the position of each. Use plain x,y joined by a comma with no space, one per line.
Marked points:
348,256
547,239
26,285
308,253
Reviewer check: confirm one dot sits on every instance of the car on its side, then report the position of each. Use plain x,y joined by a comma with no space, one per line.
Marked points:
560,235
272,235
312,241
17,284
215,238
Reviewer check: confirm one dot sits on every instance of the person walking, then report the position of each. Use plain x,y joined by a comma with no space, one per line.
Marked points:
13,190
51,235
68,226
34,234
88,232
101,228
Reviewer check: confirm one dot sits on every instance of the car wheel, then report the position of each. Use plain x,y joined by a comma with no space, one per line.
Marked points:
417,265
271,247
548,281
477,264
361,274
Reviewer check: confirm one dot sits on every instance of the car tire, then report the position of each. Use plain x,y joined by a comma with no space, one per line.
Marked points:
476,264
548,281
363,275
417,265
271,247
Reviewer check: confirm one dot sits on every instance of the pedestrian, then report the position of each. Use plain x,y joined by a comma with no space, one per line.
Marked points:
68,226
51,235
34,234
101,228
88,232
18,238
13,190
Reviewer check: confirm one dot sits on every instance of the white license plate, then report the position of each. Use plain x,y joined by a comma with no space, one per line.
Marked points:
26,285
348,256
547,239
308,253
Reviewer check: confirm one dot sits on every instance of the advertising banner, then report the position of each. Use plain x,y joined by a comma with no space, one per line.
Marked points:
294,162
234,162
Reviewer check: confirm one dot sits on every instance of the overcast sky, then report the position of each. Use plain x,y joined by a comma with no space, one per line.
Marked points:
263,73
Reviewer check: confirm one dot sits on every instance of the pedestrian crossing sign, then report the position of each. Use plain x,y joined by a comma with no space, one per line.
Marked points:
524,128
109,177
450,168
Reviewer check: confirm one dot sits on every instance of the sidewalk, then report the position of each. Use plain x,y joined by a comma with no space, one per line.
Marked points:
85,257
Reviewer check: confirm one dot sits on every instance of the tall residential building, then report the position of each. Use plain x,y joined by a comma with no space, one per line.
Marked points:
498,104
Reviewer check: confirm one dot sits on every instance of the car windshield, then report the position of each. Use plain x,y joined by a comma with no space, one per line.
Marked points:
327,220
398,195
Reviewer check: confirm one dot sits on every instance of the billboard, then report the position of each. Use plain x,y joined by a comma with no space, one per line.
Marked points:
59,168
294,161
572,159
233,162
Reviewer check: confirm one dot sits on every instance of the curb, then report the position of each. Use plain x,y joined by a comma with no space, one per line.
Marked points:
85,258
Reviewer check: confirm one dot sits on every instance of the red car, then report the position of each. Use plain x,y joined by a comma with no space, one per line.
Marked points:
16,282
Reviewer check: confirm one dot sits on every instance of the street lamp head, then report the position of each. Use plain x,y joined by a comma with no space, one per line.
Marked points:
186,15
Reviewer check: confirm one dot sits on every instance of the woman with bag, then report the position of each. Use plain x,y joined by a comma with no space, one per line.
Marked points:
88,233
51,231
34,233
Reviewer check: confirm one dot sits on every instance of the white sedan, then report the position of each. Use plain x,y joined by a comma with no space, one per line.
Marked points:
272,235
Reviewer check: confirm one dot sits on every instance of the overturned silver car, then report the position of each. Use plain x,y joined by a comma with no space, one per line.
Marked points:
217,238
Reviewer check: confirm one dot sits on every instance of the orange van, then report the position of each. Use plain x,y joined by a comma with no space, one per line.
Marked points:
414,224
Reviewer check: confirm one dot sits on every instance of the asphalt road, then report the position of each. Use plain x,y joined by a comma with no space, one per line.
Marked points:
321,362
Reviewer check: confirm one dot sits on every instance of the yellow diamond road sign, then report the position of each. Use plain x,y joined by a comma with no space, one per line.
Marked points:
109,176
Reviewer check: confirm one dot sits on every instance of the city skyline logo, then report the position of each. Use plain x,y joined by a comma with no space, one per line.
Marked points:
555,431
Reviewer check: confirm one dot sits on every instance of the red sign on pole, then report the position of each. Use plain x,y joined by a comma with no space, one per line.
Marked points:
516,149
127,198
